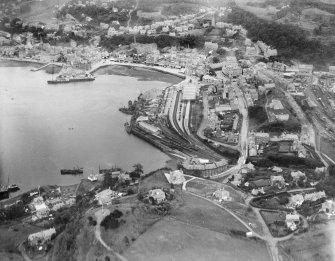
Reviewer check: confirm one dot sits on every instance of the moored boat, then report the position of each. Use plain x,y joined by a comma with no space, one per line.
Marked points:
74,78
74,171
13,188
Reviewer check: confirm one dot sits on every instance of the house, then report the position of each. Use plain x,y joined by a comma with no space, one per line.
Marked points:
296,200
209,46
277,181
297,174
256,192
306,68
277,169
105,196
291,221
41,237
332,69
156,196
276,105
40,208
262,137
328,207
221,195
175,177
315,196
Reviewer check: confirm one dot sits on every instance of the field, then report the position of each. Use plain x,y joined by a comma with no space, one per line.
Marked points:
315,245
41,11
275,221
206,188
173,240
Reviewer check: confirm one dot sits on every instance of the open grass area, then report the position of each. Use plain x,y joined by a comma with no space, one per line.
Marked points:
317,244
275,220
202,213
173,240
206,188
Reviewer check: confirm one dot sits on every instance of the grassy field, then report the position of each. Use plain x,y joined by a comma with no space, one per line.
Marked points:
315,245
173,240
42,11
205,188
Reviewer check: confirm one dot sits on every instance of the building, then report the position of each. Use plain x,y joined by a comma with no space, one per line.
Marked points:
105,197
328,207
315,196
149,128
41,209
221,195
276,105
190,92
209,46
41,237
157,196
262,137
297,175
332,69
175,177
296,200
277,181
292,220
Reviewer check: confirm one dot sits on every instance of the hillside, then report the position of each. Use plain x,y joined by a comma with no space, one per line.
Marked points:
315,17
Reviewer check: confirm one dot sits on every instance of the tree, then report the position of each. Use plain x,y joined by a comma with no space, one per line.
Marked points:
331,170
138,169
221,51
216,59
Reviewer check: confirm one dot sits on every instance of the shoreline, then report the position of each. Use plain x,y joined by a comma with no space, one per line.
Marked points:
136,65
7,59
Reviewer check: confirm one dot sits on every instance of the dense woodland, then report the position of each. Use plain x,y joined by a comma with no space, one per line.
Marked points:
291,41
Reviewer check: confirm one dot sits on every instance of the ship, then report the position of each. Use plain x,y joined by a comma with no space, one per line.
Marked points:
13,188
68,79
74,171
4,193
127,127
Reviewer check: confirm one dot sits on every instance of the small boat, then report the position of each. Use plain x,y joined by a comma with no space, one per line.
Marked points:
74,171
66,79
4,193
13,188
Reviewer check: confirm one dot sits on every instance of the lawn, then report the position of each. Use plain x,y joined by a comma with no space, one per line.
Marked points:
317,244
206,188
173,240
275,220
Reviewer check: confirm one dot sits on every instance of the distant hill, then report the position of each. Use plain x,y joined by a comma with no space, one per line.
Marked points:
315,17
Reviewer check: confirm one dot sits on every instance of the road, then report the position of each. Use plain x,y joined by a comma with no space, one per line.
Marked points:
100,215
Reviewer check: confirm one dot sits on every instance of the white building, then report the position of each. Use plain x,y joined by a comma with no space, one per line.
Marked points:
41,237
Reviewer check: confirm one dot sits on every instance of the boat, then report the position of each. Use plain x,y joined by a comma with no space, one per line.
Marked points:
4,193
74,171
13,188
68,79
92,177
127,127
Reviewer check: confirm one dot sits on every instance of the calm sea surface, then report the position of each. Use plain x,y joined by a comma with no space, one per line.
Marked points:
44,128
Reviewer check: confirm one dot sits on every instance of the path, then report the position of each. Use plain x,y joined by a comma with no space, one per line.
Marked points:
130,11
23,253
100,215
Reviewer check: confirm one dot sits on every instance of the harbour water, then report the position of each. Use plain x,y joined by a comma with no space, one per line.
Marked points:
44,128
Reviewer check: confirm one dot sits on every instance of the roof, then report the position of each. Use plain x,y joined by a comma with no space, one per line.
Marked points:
190,92
149,127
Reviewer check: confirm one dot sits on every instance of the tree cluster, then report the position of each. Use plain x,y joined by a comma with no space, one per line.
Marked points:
291,41
112,220
162,41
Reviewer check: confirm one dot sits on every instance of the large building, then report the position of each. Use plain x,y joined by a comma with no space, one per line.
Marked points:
190,92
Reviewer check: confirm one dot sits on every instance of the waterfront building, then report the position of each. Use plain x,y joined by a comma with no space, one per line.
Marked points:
149,128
